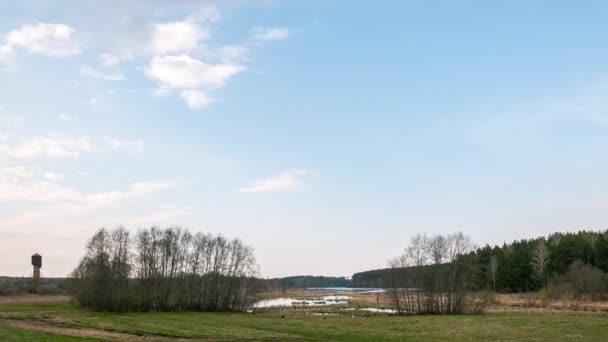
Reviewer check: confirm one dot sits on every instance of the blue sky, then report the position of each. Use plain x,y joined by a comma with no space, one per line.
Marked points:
323,133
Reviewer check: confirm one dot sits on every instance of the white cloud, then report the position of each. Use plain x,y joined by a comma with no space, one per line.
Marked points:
26,184
15,174
41,191
6,54
53,177
91,72
51,146
196,99
71,200
164,213
288,181
230,53
67,118
54,40
177,36
108,59
159,92
208,13
186,72
269,33
142,188
131,145
95,104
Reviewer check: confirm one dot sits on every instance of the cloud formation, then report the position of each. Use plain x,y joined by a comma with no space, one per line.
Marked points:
288,181
50,146
180,36
196,99
53,40
45,188
269,33
184,71
127,145
67,118
191,76
91,72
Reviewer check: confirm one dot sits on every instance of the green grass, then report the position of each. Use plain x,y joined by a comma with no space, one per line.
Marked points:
297,326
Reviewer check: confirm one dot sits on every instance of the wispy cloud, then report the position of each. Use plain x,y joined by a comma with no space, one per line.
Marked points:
128,145
196,99
163,214
108,59
91,72
288,181
269,33
532,122
28,185
67,118
51,146
53,177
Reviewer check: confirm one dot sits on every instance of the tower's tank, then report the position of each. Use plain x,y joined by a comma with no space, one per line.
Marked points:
37,260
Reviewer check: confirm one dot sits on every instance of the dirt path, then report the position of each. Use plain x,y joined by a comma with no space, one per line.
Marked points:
59,329
33,299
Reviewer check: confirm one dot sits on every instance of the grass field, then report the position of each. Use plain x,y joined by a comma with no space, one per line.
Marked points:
65,322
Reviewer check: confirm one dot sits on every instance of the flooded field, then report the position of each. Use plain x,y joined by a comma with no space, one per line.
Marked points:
349,289
327,301
287,302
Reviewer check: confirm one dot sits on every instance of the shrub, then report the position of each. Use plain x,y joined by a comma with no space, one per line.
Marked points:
48,290
581,281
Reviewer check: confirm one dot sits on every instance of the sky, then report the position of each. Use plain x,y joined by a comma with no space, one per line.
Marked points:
324,134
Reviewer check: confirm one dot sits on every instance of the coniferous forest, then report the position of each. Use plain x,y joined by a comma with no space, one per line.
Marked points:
530,265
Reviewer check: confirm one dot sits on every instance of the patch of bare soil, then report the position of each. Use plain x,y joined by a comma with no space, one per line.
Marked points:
34,299
57,327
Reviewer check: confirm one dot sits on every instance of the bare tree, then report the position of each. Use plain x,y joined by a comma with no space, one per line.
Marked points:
434,275
540,262
493,269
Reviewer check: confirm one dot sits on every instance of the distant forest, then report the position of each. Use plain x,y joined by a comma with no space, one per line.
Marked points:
306,281
524,265
11,286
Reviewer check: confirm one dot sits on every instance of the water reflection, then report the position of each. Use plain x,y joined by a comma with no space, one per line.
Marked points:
283,302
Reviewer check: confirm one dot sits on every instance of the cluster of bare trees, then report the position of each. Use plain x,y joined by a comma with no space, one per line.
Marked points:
164,270
435,275
581,281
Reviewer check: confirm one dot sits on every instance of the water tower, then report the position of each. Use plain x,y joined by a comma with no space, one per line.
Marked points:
37,263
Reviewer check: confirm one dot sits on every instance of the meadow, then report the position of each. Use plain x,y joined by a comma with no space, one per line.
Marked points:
63,321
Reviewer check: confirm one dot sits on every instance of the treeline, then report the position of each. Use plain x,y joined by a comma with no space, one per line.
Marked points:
554,262
307,281
164,270
435,275
11,286
529,265
372,278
